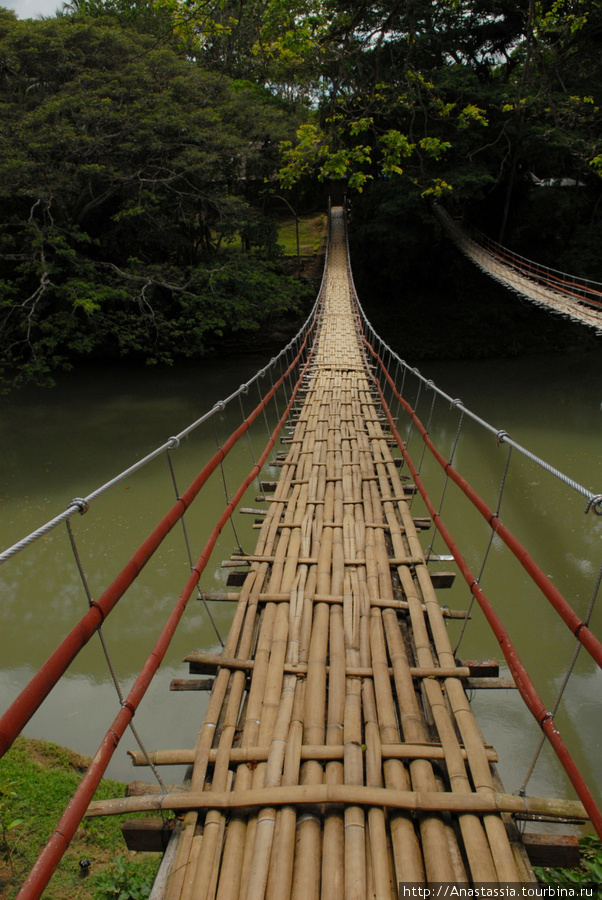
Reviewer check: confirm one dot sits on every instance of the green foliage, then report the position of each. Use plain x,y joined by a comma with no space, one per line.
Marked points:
8,822
122,881
126,173
137,137
455,98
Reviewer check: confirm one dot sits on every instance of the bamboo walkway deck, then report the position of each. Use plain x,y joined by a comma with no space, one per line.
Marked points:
326,693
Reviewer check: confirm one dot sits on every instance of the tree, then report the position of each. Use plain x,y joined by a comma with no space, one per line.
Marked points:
125,169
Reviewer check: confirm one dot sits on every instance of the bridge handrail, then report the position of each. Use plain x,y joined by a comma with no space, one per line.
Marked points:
554,278
578,626
14,719
38,688
82,504
594,501
529,693
75,811
562,607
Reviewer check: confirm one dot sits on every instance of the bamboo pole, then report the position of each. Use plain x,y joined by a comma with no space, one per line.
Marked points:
320,795
200,884
434,845
214,661
306,873
236,848
276,718
241,630
425,597
355,828
333,879
281,865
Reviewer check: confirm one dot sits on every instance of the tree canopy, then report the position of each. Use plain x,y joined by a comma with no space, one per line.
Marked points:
124,169
138,139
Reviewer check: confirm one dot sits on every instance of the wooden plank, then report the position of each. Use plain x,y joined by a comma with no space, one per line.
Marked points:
191,684
160,884
442,579
236,579
490,684
140,788
558,850
203,663
482,668
146,835
422,523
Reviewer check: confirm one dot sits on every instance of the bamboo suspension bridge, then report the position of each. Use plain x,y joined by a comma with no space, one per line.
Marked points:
339,756
574,298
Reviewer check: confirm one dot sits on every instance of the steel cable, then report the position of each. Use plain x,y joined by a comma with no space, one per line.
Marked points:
486,556
108,659
565,681
594,500
200,594
81,505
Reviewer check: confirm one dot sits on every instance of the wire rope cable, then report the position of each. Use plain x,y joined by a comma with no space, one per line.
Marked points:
200,594
108,659
450,463
81,505
486,555
565,681
594,500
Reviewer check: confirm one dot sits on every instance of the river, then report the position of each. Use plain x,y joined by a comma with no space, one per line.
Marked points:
61,443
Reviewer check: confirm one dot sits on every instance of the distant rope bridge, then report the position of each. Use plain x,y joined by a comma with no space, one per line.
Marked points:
576,298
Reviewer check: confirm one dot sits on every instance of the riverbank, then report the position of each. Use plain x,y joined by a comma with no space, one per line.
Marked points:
37,779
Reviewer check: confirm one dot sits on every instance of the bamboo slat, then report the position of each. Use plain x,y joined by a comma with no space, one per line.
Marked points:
307,751
323,795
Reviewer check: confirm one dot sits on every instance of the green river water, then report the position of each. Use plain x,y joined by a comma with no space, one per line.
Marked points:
62,443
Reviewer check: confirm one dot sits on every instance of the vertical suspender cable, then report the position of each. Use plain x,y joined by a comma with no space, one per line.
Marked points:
35,692
526,688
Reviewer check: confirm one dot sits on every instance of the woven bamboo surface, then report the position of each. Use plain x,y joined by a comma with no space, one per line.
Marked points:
334,685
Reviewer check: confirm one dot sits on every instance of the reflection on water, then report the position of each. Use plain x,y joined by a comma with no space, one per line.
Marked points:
55,445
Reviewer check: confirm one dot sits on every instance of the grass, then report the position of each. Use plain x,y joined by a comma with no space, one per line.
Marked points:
37,779
312,235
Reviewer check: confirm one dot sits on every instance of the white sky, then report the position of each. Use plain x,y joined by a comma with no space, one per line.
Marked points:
32,9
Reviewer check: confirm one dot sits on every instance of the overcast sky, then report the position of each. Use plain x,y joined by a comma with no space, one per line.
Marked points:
32,9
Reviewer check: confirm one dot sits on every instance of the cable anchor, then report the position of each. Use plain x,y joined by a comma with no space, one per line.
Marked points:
594,503
81,504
